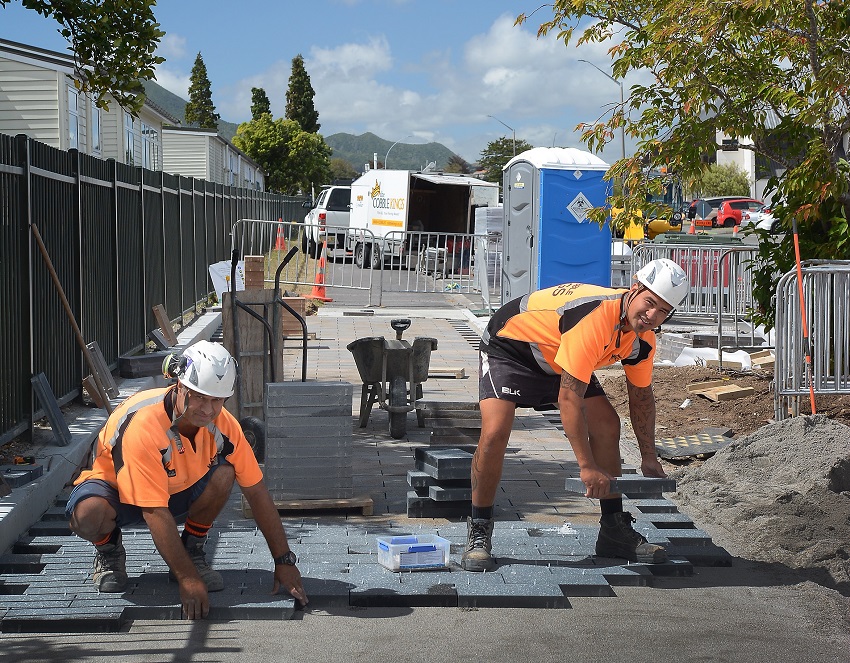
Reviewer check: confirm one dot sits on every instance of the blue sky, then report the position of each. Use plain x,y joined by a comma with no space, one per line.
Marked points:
407,70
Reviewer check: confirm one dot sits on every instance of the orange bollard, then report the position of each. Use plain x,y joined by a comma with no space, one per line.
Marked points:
319,285
280,243
693,229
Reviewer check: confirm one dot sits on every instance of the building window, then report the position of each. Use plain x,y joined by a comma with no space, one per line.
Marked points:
73,118
129,140
95,129
150,147
231,178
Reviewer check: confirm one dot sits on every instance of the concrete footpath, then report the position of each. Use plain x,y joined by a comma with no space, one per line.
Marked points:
549,599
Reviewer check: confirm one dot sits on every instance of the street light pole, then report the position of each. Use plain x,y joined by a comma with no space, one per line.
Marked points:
623,128
392,146
505,125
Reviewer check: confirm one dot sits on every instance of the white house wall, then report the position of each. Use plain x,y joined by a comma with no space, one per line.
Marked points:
184,153
29,101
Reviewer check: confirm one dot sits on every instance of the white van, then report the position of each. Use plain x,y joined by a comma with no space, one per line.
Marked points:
332,209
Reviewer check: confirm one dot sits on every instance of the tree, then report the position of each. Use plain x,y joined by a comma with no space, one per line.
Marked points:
342,170
726,180
299,98
776,72
497,154
458,164
107,66
200,111
294,160
259,103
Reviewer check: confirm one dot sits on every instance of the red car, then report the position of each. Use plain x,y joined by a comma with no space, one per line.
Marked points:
730,211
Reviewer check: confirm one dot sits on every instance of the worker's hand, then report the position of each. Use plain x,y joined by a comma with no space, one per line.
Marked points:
289,578
650,467
598,482
194,597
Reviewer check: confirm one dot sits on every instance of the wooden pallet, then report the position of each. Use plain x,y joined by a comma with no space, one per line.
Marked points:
363,502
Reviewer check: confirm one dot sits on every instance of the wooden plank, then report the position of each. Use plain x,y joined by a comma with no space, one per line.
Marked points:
727,393
761,354
700,386
164,324
731,365
364,503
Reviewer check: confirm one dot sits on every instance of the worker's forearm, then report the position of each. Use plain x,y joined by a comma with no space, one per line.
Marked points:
267,518
642,415
571,406
163,530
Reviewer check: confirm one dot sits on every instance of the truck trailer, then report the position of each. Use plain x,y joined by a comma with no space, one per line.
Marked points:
386,205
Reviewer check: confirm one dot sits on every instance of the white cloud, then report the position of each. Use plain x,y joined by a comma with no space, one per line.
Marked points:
173,81
172,46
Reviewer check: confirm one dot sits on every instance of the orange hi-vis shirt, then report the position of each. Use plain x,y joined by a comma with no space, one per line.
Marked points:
132,445
572,327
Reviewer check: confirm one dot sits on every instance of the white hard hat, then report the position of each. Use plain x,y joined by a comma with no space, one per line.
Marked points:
206,368
666,279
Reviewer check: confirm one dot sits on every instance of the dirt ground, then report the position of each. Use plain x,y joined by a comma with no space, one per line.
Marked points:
741,415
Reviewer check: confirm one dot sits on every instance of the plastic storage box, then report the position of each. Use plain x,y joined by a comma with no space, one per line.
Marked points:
417,551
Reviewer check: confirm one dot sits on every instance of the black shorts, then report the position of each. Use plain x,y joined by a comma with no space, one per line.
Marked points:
511,381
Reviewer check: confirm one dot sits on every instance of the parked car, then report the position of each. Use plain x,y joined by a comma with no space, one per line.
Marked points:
730,212
704,210
332,209
761,218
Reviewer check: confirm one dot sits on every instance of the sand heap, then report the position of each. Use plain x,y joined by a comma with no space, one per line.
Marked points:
782,495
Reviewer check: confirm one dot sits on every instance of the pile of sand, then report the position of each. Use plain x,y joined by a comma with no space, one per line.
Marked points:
780,495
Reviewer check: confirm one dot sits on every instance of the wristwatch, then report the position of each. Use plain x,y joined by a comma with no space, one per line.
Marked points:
288,559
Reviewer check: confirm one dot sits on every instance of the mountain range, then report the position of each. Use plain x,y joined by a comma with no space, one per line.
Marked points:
356,150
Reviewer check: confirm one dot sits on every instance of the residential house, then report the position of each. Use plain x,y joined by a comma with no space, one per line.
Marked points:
204,154
39,98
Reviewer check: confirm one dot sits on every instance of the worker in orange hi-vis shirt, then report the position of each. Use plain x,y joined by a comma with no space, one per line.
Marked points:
172,455
541,350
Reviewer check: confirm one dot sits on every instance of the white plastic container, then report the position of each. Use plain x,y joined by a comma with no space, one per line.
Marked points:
417,551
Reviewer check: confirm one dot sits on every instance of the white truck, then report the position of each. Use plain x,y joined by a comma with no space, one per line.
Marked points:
388,204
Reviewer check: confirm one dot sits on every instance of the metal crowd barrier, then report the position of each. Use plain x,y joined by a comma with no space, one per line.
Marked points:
322,252
720,276
826,295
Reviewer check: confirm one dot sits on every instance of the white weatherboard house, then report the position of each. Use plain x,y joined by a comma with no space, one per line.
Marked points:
38,98
203,154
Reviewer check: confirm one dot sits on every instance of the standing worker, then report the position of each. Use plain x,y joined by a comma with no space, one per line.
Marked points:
542,349
169,454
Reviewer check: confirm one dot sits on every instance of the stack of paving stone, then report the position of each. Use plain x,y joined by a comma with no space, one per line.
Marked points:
453,423
441,485
309,440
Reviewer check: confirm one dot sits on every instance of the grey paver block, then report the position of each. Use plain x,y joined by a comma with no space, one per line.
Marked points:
630,485
447,494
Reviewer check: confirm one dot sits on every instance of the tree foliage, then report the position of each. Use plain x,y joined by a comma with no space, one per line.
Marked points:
342,170
497,153
722,180
299,98
259,103
458,164
106,65
200,111
774,71
294,160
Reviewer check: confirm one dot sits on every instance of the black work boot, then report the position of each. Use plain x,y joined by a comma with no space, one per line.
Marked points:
110,566
617,538
479,543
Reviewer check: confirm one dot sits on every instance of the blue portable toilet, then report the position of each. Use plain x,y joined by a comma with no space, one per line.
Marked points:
547,237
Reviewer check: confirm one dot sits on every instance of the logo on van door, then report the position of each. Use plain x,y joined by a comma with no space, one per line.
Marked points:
380,201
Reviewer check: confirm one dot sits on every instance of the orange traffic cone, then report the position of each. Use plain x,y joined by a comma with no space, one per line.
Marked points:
735,230
280,243
319,285
693,229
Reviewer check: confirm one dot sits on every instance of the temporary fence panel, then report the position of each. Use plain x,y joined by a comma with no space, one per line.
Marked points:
714,292
312,263
826,295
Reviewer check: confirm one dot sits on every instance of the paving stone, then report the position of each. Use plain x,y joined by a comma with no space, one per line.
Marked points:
686,537
479,590
20,475
422,507
443,464
446,494
636,485
651,505
710,555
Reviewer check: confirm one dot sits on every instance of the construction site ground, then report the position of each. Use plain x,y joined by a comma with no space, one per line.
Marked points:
550,598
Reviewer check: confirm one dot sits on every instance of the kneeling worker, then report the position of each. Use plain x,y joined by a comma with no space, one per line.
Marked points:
542,349
169,454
